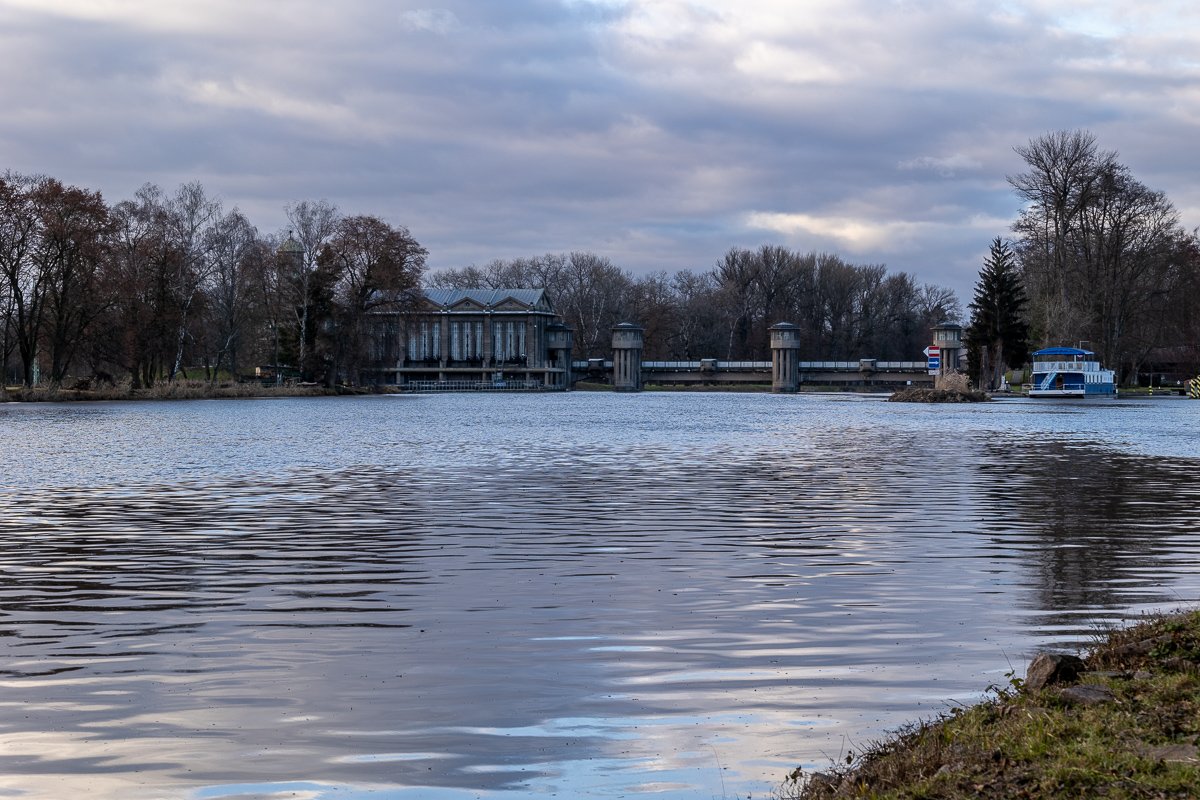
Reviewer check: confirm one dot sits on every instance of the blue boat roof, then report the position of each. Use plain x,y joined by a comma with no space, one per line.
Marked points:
1064,351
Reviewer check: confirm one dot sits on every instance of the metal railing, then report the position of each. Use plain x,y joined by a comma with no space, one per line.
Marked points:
428,387
1066,366
826,366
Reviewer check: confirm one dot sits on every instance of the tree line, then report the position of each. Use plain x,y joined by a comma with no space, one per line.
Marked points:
145,287
162,282
844,310
170,284
1097,259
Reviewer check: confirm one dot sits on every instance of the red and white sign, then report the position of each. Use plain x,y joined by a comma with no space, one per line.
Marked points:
933,351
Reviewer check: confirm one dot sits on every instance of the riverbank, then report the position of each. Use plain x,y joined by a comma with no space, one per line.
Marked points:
170,390
205,390
1124,721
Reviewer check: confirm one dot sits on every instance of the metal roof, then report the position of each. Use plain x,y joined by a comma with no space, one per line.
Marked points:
1064,351
485,297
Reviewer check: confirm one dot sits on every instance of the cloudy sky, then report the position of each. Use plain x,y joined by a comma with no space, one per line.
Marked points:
658,133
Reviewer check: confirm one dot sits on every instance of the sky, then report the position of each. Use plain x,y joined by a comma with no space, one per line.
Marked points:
656,133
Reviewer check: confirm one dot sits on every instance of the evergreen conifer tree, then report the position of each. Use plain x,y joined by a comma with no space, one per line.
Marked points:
998,336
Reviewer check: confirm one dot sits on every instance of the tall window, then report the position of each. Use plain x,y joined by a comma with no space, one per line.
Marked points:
418,341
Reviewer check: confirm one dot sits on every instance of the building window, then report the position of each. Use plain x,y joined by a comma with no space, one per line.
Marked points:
418,342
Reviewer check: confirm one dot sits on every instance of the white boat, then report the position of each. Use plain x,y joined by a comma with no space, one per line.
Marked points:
1070,372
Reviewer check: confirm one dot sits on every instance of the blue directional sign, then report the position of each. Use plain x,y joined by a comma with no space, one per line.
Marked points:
934,362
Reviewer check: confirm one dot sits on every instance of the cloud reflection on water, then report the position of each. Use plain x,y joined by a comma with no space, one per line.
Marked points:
517,595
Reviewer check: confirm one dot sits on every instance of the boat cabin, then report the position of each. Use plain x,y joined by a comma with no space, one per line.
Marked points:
1069,372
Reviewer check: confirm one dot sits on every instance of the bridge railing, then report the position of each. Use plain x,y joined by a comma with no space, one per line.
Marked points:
823,366
677,365
423,387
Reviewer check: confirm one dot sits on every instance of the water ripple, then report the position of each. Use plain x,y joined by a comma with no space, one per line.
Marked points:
509,596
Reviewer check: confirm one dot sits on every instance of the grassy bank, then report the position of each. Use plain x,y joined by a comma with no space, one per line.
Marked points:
167,390
1127,727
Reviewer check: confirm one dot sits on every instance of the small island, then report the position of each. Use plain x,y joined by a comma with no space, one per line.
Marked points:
952,388
918,394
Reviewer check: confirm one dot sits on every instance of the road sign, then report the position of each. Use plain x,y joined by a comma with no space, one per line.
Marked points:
933,351
934,362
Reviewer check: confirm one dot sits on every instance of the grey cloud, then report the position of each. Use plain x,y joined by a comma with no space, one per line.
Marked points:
945,166
649,132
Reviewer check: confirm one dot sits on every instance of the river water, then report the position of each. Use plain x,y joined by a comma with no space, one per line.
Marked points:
569,595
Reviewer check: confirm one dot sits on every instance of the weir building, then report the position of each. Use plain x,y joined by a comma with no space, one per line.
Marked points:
472,339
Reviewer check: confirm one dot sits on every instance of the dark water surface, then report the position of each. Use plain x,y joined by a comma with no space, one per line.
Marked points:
583,595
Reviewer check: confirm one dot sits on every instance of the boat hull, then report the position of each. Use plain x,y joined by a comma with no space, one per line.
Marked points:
1081,389
1111,392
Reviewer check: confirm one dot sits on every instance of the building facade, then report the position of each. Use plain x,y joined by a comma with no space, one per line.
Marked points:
473,339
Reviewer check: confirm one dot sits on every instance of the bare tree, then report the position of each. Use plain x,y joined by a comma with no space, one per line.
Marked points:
655,307
139,324
737,274
1097,247
368,265
698,332
24,283
189,216
70,257
237,256
313,223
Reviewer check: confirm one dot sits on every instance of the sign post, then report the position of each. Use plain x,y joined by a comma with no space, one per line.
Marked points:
933,359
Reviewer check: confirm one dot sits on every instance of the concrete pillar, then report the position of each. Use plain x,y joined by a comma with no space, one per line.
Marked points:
627,340
487,341
560,340
785,357
444,355
531,343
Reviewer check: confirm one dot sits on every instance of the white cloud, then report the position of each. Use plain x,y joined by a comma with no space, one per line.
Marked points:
945,166
870,235
434,20
856,235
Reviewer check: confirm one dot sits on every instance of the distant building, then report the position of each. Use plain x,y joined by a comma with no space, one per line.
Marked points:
472,338
1165,366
